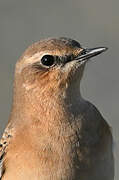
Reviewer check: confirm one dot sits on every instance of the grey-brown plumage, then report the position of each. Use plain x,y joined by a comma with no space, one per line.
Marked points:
53,133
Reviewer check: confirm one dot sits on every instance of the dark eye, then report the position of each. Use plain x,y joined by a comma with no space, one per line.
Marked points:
48,60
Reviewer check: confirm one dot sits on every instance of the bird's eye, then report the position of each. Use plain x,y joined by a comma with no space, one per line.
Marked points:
48,60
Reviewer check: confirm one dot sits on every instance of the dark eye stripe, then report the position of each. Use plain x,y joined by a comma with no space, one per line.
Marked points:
48,61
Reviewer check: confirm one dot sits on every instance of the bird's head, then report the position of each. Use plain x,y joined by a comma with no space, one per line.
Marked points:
53,64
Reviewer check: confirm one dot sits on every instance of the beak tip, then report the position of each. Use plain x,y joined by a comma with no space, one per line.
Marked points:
104,49
96,51
89,53
100,49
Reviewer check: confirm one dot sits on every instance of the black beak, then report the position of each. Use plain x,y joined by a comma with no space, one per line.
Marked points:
89,53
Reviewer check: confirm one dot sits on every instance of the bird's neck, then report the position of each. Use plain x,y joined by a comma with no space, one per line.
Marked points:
34,105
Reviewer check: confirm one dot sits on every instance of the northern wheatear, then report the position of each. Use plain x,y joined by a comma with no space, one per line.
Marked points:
53,133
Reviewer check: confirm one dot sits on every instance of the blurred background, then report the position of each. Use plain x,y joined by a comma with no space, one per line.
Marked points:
93,23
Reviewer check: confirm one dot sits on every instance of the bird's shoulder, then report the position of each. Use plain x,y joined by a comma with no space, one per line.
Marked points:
98,121
94,113
95,141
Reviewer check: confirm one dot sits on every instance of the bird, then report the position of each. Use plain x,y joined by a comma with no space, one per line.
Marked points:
53,133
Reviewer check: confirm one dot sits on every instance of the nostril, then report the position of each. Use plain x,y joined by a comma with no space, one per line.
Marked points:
83,52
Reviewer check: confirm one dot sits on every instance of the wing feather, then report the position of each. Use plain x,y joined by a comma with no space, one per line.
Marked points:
4,142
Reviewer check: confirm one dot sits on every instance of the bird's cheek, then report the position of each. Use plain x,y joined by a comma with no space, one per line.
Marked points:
27,79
